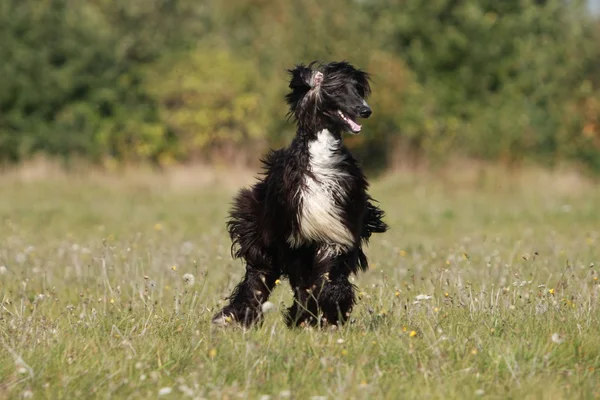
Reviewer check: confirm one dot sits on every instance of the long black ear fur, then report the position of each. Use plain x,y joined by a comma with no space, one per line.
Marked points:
300,83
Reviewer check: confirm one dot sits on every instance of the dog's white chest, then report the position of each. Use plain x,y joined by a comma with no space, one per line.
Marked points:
321,196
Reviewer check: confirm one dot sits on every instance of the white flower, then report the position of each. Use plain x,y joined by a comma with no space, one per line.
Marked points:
285,394
185,389
164,391
3,269
541,308
340,341
189,279
423,297
268,306
20,258
556,338
479,392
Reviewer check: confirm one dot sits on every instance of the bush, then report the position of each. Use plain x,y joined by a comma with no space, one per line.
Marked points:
179,80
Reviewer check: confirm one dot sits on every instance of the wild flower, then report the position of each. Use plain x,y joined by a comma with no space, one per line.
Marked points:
557,338
267,307
189,279
212,353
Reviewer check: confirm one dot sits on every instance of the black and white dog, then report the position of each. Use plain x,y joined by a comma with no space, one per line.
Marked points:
308,217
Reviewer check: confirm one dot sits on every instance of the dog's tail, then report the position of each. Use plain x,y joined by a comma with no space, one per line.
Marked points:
373,223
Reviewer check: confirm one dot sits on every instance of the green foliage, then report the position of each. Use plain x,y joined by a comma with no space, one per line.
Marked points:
168,81
209,98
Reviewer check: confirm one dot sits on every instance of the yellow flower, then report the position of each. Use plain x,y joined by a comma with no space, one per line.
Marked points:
412,334
446,294
174,267
397,294
551,291
436,309
112,301
595,278
344,352
212,353
474,351
404,329
277,282
447,262
158,227
402,253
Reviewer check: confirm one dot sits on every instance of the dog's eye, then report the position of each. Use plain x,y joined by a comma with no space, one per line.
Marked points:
360,90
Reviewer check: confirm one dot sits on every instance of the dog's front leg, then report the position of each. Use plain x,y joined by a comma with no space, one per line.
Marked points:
247,298
329,296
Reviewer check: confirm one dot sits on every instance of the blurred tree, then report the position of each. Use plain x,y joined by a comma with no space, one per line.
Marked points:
175,80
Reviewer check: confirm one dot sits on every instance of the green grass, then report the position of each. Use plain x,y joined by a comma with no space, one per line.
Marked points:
94,305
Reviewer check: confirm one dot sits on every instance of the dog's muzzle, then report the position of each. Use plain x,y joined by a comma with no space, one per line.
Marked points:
364,111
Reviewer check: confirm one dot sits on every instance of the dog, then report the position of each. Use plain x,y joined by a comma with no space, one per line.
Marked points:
309,215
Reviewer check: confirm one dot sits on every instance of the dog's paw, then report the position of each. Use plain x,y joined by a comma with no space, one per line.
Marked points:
223,319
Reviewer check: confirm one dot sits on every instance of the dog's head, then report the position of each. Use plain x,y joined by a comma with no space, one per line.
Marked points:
331,96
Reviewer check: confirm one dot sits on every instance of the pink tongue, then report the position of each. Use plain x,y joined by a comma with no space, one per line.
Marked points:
355,127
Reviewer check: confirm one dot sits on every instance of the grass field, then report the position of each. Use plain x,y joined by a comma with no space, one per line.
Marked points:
485,287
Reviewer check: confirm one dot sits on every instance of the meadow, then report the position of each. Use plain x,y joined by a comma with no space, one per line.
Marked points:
486,286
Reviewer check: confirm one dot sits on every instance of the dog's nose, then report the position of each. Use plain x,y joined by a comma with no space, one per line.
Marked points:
365,111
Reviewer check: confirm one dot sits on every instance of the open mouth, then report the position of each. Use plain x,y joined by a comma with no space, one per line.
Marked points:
354,127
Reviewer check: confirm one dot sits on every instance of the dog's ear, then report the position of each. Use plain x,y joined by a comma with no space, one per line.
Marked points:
300,78
304,80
